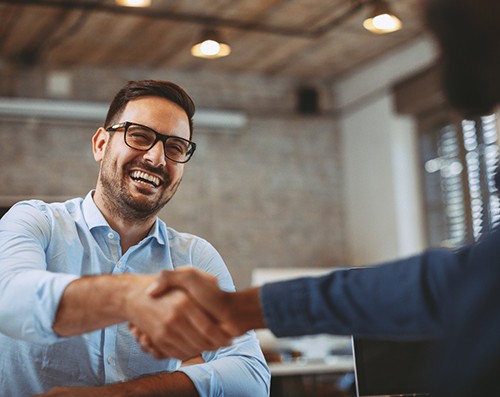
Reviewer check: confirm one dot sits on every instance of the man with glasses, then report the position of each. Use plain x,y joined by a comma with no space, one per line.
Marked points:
141,137
74,274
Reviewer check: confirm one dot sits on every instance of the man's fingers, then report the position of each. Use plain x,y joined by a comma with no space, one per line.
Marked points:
184,277
159,286
178,327
201,286
190,330
213,336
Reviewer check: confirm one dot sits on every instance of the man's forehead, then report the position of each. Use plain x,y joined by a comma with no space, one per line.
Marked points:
152,106
157,113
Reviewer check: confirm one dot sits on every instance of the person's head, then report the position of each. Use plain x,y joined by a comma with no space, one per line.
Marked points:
148,124
468,32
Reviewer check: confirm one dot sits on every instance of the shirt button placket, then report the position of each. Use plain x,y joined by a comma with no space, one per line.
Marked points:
115,250
109,355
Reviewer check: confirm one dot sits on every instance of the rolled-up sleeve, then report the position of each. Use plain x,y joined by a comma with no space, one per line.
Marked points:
238,370
30,294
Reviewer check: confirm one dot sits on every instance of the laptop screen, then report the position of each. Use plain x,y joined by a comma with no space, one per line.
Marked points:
391,368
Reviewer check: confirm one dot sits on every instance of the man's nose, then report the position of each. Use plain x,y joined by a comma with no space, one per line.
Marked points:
156,155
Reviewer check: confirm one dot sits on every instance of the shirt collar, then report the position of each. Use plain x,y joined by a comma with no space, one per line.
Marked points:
95,219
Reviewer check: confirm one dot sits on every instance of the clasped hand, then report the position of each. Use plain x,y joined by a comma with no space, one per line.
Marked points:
196,316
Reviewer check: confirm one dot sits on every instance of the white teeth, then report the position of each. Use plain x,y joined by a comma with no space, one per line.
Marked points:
147,177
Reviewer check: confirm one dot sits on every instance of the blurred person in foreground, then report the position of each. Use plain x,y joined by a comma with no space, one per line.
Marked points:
450,296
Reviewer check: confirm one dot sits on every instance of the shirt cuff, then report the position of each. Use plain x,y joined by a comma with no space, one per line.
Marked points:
204,379
49,290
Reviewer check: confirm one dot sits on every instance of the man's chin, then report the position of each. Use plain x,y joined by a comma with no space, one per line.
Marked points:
147,204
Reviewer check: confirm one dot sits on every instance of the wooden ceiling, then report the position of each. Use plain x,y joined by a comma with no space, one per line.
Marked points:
303,39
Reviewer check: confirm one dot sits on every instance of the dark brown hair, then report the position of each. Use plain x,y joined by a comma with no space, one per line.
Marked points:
158,88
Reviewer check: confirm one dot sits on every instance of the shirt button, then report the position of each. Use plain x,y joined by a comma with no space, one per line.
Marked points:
111,236
109,360
119,264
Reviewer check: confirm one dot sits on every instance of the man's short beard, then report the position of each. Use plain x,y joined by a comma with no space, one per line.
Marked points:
125,207
122,204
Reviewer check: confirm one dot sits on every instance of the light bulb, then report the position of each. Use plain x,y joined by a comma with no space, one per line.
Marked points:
382,23
210,47
385,22
134,3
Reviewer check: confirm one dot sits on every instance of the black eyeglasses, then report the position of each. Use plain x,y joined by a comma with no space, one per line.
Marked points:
140,137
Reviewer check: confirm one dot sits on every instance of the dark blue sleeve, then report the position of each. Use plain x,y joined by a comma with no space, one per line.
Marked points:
471,359
400,299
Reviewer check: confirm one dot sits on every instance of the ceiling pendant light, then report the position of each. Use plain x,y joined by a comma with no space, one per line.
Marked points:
134,3
381,19
210,46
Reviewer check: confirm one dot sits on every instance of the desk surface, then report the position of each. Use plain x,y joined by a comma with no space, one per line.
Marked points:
333,364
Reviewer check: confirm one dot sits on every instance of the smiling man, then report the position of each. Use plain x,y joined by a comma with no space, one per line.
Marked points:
73,274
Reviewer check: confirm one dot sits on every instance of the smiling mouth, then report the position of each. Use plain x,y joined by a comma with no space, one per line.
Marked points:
143,177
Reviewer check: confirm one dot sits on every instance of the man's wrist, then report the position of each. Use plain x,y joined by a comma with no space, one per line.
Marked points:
135,292
246,310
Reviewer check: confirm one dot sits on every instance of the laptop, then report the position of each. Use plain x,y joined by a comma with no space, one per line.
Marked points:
389,368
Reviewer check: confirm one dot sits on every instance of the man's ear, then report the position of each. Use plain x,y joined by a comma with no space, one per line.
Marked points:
99,143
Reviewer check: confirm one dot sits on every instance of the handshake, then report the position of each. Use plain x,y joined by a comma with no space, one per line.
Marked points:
198,315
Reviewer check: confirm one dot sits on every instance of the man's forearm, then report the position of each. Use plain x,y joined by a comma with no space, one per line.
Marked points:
175,384
94,302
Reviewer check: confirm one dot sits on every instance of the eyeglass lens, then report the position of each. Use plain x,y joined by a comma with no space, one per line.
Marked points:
176,149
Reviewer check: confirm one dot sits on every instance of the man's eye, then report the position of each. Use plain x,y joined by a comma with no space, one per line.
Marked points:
140,136
176,145
175,148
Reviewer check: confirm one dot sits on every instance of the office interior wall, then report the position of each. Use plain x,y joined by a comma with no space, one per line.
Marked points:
381,175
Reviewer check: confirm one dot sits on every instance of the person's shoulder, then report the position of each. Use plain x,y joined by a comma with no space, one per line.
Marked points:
182,238
173,234
49,209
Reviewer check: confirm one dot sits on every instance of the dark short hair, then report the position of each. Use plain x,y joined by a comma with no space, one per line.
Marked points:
157,88
468,32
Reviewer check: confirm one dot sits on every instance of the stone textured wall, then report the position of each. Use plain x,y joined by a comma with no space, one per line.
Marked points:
268,195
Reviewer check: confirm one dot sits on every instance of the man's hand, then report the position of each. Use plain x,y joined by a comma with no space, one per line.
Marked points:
235,312
175,324
204,289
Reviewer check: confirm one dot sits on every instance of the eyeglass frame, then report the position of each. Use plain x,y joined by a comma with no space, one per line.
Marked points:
158,137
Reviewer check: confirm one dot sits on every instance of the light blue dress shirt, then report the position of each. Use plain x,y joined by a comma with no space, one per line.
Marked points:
43,247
